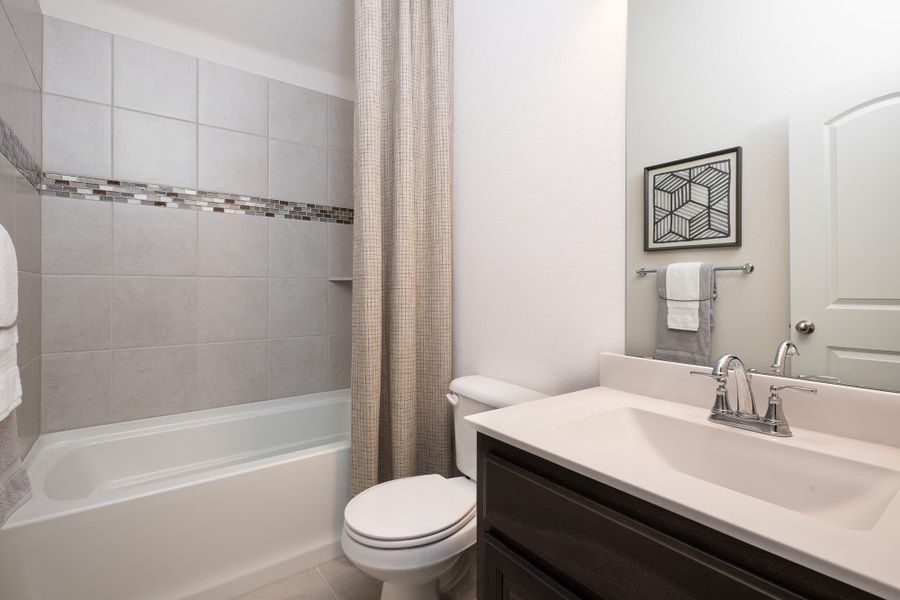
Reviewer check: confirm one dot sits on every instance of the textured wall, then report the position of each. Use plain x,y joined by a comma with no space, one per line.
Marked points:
539,190
155,305
20,207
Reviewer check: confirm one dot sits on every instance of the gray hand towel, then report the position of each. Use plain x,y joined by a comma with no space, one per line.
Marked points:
15,489
686,346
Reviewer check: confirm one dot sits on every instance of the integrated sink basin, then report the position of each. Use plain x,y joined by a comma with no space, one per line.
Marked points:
843,492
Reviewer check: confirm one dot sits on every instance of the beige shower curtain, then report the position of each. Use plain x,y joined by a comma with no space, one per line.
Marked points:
402,424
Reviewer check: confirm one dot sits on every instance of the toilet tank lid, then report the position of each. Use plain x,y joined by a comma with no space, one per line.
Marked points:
492,392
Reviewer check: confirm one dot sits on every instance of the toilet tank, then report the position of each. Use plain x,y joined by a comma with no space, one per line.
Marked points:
474,394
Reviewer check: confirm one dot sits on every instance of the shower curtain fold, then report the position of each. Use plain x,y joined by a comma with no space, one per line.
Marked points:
402,335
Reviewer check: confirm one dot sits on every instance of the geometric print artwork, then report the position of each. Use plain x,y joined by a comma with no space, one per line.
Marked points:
692,204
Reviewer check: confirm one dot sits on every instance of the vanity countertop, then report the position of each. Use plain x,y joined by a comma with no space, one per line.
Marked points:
827,502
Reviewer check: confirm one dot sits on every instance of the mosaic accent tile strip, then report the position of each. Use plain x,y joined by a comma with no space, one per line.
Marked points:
151,194
14,151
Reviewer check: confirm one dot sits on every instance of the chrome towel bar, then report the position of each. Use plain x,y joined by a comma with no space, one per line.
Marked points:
747,268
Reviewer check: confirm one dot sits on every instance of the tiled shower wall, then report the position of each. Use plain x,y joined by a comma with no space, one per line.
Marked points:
151,310
20,207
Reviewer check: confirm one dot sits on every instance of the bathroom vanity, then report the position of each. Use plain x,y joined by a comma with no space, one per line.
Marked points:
546,532
628,491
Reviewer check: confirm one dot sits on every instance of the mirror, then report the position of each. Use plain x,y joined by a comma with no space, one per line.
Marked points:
809,90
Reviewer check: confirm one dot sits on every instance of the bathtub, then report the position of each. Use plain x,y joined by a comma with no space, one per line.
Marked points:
204,505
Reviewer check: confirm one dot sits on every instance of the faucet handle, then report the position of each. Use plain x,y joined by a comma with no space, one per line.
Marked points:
721,404
774,389
775,413
718,378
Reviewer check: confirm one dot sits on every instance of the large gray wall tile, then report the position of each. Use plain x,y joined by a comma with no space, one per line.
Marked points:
149,240
154,149
340,307
154,311
27,234
149,382
338,362
29,321
232,373
297,173
75,390
9,46
76,236
154,79
77,137
297,307
28,23
298,366
297,248
28,414
340,124
233,245
232,309
8,176
340,250
75,313
232,99
297,114
77,61
233,162
340,179
27,109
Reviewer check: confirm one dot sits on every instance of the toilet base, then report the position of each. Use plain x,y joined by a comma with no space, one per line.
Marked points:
392,590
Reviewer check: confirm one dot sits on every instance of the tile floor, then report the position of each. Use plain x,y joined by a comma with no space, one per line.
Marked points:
336,579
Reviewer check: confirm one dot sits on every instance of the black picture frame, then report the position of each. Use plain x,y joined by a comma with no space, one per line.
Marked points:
710,227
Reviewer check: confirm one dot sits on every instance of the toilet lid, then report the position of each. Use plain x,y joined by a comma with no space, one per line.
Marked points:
410,508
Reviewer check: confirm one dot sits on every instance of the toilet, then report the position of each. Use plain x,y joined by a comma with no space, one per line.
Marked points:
411,531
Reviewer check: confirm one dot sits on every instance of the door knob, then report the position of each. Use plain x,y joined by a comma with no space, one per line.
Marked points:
805,326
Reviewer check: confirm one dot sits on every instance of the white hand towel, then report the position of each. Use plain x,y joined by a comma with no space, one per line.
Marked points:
9,281
683,296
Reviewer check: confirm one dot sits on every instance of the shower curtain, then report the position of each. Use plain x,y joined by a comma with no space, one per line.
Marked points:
401,422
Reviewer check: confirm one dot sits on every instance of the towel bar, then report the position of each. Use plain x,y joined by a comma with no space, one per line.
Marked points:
747,268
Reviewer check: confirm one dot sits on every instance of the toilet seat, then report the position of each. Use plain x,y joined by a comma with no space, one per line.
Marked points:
410,512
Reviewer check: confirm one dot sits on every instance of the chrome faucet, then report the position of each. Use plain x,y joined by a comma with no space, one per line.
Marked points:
744,391
745,416
786,349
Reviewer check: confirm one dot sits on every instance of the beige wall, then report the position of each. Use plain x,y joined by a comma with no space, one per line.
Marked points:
538,189
705,75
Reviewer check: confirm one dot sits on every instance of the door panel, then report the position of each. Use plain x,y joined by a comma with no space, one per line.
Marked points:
845,231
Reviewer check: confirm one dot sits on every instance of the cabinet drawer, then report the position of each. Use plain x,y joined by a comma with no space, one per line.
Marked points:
598,552
510,577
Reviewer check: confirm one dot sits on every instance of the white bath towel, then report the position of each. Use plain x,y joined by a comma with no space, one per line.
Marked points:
9,281
683,296
10,382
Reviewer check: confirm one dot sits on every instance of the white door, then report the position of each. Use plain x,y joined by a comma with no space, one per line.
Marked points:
845,231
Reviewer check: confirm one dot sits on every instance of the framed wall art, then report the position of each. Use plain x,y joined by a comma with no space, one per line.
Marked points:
693,202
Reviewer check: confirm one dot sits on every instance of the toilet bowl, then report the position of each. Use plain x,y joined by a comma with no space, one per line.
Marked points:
410,532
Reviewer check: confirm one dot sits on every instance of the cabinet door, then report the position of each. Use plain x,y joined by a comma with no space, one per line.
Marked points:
507,576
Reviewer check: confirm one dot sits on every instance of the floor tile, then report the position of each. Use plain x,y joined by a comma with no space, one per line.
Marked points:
308,585
348,582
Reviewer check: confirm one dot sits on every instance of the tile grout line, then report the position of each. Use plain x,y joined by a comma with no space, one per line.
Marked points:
327,585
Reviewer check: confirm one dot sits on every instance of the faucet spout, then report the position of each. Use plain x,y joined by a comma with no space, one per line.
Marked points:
785,349
746,405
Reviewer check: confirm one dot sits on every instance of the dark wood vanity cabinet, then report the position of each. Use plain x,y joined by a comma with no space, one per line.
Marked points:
545,532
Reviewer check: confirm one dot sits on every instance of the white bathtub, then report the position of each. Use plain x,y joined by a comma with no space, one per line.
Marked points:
202,505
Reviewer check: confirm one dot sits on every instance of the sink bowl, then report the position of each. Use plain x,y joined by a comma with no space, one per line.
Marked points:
837,490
